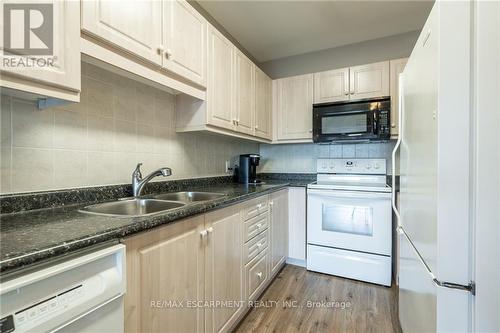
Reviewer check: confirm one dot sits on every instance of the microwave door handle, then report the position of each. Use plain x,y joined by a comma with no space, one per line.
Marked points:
374,123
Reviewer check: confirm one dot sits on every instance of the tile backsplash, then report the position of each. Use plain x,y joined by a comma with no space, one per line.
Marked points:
98,141
301,158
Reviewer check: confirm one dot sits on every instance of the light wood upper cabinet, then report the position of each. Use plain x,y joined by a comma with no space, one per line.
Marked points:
62,79
278,203
396,67
133,26
223,267
263,104
184,41
369,81
244,93
331,86
293,107
165,264
220,80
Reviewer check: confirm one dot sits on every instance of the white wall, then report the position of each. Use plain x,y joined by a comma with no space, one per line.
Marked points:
301,158
98,141
392,47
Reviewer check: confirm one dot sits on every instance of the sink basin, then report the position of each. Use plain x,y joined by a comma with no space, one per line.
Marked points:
132,207
189,197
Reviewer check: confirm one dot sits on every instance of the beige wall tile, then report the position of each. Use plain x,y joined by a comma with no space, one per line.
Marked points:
125,100
31,127
5,121
70,168
99,97
125,136
5,167
70,130
100,168
32,169
100,133
145,105
146,140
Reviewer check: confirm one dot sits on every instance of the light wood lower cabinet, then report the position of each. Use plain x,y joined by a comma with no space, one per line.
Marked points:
223,267
278,203
207,258
165,267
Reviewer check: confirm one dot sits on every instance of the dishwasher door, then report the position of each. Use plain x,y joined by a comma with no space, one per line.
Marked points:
82,294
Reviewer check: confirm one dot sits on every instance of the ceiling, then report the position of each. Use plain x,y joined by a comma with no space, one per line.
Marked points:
276,29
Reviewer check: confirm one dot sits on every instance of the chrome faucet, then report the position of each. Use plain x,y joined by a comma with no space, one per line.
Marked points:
138,182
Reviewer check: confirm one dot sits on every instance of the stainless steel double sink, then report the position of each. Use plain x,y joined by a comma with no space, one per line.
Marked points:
150,205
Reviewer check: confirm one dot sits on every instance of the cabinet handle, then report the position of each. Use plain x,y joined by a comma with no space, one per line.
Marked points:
259,225
210,230
346,93
256,127
259,206
259,245
310,131
259,274
271,203
160,50
352,92
168,53
203,233
393,125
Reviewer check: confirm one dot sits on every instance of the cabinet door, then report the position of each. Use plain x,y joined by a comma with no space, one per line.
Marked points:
185,32
244,93
65,71
369,81
279,229
224,267
165,264
263,104
331,86
294,99
133,26
220,76
396,67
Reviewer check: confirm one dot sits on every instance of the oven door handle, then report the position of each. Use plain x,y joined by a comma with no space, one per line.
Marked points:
349,194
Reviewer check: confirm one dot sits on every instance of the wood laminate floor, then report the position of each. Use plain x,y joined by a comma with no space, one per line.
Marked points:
336,305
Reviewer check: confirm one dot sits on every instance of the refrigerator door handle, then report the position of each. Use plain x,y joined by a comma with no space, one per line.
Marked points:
471,287
396,147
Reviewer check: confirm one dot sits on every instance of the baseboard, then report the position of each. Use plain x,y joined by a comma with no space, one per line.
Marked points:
296,262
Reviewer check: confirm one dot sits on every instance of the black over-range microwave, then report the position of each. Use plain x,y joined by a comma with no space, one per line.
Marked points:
355,121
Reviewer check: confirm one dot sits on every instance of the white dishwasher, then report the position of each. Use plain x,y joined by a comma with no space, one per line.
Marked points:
80,294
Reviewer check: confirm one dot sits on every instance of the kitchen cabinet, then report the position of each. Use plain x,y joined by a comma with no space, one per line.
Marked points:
223,267
368,81
331,86
293,100
133,26
263,104
165,264
184,41
278,203
220,80
62,79
244,93
396,67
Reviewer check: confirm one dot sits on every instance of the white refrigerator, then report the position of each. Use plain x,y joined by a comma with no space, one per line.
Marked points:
435,256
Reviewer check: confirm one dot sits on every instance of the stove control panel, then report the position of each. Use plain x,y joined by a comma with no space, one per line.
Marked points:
367,166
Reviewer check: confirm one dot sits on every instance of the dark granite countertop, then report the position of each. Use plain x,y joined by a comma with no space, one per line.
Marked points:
33,236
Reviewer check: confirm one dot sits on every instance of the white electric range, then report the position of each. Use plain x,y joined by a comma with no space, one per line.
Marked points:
349,220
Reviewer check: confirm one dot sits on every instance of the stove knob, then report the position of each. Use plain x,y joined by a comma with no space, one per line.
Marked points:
368,167
376,166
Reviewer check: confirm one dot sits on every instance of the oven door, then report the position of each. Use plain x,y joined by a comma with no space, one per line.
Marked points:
359,221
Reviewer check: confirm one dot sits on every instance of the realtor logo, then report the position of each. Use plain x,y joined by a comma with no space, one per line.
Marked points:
28,29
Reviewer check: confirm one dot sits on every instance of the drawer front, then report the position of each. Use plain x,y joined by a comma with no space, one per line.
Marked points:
255,246
255,226
255,207
257,274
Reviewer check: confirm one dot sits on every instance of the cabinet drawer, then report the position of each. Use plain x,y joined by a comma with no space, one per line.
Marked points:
255,226
255,246
255,207
256,274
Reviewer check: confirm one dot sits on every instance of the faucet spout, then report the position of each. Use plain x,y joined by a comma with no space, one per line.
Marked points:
138,182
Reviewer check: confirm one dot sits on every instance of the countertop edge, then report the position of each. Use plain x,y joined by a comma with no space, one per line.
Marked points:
24,261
